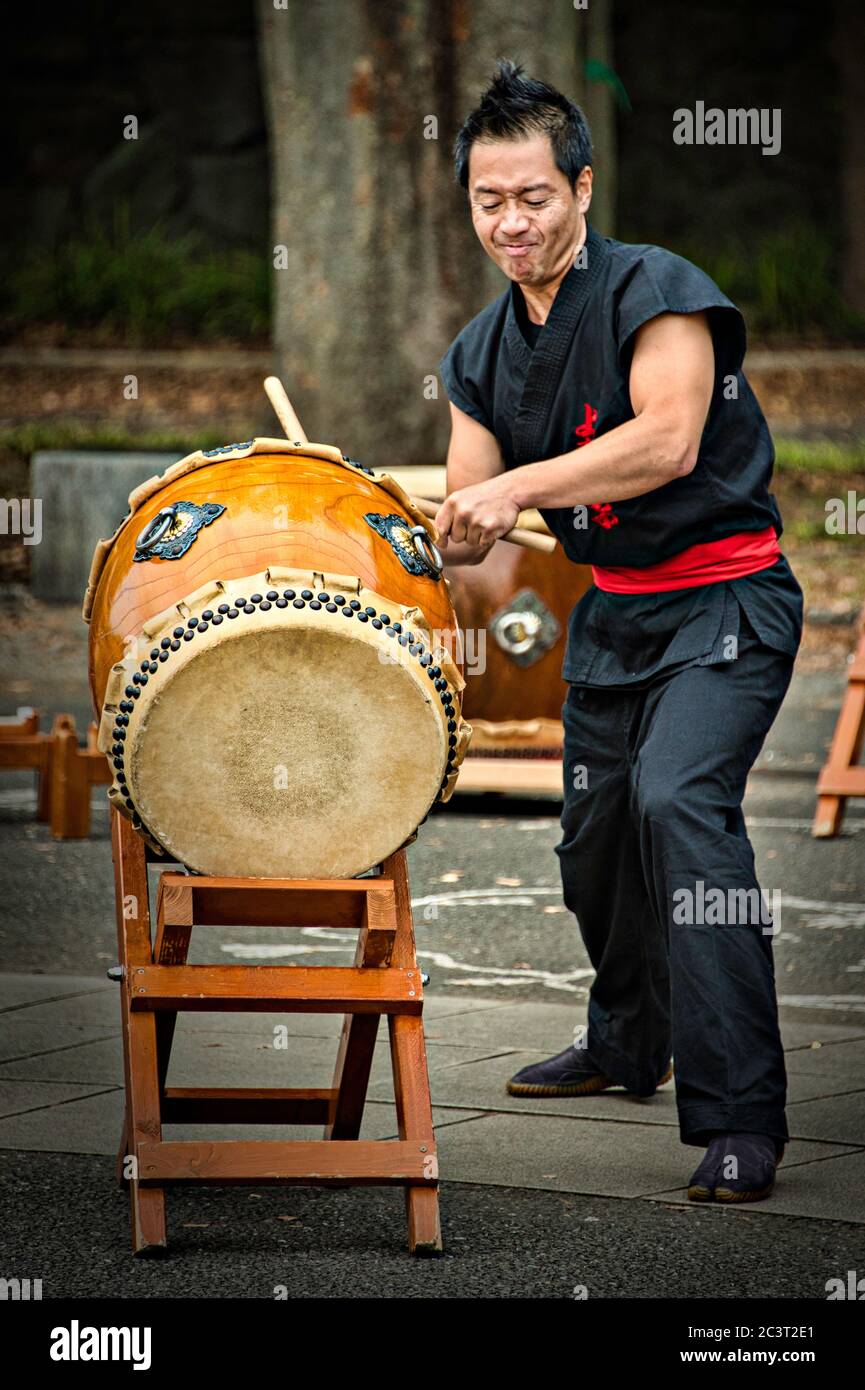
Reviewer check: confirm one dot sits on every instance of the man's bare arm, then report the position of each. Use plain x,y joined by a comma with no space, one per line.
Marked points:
671,381
473,456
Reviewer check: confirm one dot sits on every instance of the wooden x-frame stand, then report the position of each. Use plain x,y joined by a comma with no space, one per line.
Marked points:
842,775
157,984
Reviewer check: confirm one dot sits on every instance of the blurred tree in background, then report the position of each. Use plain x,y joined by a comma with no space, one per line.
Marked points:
381,264
168,238
325,127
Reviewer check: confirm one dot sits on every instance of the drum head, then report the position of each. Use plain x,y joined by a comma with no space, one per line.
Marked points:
287,753
283,739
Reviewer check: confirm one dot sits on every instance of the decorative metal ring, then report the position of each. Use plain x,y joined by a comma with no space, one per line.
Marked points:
530,624
422,539
156,528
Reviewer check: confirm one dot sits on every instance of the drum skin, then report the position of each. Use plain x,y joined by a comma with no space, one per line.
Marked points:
285,510
503,690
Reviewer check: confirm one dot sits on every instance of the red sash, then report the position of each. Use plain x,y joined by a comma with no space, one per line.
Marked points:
709,563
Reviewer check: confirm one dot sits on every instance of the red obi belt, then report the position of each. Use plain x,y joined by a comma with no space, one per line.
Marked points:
732,557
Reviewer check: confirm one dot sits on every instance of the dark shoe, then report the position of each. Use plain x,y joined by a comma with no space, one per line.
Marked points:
756,1158
570,1073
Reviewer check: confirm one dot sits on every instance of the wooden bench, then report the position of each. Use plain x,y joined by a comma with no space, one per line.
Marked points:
65,771
74,770
23,745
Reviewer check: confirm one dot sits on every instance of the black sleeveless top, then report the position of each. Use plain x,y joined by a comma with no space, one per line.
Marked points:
571,386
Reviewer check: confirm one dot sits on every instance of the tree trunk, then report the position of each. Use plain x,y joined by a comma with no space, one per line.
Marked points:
383,266
850,53
600,108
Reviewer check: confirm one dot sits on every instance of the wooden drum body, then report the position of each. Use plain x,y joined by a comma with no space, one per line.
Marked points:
521,600
513,612
275,662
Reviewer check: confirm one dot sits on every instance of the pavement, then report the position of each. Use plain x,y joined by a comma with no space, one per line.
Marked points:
538,1197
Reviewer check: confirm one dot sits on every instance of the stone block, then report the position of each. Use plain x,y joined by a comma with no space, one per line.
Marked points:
84,498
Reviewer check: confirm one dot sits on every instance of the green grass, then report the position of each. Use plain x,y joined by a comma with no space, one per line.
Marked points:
811,455
24,440
785,283
804,530
149,288
818,456
792,455
145,287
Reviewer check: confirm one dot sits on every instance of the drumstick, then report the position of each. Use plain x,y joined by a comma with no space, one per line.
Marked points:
530,540
276,394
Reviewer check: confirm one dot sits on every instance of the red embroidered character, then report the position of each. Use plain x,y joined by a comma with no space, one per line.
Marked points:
586,430
602,512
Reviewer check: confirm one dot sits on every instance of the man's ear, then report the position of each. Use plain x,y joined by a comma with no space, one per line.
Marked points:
583,188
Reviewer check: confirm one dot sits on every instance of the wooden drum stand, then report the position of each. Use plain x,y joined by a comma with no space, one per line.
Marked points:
157,984
843,775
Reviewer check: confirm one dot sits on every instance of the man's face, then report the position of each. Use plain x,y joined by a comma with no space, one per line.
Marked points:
526,215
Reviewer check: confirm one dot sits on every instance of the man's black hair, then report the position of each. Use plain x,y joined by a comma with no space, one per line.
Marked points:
516,107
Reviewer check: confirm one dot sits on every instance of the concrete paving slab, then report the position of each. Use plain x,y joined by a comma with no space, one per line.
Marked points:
568,1155
459,1023
34,989
450,1005
18,1097
379,1122
482,1083
328,1025
202,1057
380,1119
206,1058
840,1118
198,1058
542,1152
843,1061
802,1086
88,1126
43,1017
98,1062
830,1188
798,1036
546,1028
92,1125
209,1059
98,1008
263,1025
18,1038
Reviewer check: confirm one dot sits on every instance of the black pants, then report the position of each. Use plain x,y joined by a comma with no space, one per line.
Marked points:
652,821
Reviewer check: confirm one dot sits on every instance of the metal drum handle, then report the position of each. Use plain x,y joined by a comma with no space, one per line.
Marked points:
422,540
530,625
156,528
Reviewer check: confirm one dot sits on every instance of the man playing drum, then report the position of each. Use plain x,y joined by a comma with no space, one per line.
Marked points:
605,388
